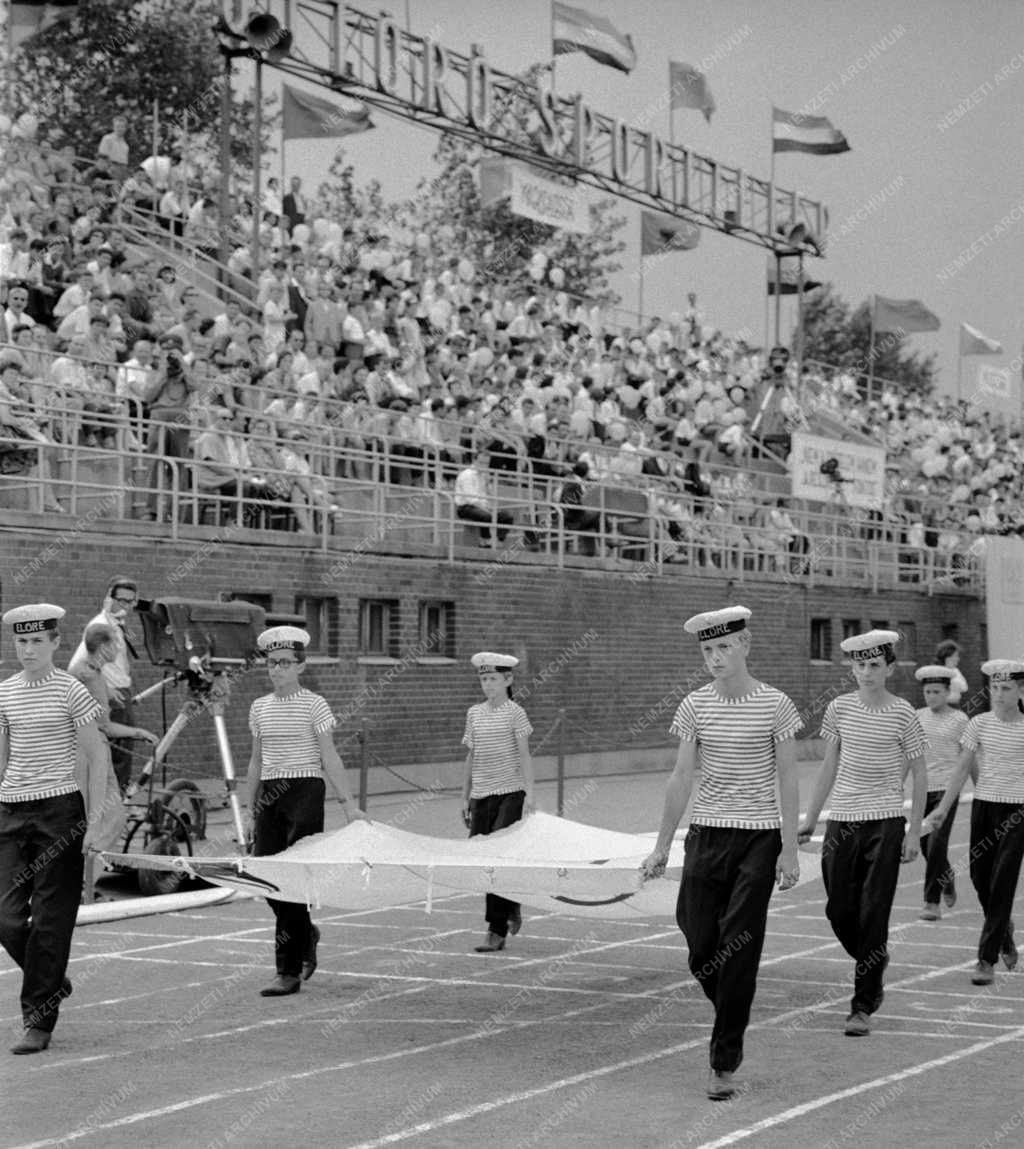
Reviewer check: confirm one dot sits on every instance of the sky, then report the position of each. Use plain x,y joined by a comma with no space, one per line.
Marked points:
935,171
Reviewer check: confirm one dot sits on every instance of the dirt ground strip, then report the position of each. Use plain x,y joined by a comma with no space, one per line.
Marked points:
582,1034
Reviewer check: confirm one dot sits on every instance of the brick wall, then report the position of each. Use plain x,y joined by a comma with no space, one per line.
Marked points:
608,647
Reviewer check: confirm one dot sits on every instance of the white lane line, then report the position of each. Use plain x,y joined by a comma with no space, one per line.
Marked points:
865,1086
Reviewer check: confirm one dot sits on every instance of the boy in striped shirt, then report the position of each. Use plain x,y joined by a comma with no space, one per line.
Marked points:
739,734
874,739
993,749
498,783
292,749
45,714
943,728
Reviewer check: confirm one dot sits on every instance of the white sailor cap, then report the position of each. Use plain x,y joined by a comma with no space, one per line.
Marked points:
1003,670
283,638
934,675
717,623
870,644
35,618
487,662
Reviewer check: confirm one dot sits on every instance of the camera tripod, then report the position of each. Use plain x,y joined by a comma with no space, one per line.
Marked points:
209,689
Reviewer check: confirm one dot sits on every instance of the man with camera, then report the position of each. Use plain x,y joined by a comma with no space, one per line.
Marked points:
167,397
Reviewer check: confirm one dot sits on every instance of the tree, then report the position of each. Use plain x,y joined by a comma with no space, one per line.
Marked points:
112,58
840,337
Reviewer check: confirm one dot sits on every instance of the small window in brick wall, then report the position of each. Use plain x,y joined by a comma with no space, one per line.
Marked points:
851,626
906,648
437,629
319,614
378,627
821,640
261,598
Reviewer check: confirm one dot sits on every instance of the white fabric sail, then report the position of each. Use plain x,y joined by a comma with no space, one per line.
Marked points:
542,861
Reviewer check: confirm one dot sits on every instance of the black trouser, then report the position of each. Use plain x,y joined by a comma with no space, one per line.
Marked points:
121,748
486,815
938,874
860,866
288,809
474,514
722,910
997,846
41,869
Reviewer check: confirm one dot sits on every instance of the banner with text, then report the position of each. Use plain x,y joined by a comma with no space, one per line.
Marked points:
1004,598
858,478
548,201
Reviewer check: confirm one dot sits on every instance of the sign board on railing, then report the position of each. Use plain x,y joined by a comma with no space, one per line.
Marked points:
857,478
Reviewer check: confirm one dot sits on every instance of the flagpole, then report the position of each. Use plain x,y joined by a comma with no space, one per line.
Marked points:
778,298
871,349
959,375
640,299
156,130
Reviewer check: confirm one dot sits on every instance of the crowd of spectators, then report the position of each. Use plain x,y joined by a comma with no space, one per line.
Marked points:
356,333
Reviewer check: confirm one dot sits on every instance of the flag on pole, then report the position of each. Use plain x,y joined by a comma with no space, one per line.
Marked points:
972,342
309,117
688,88
903,315
30,17
576,30
789,277
795,132
666,233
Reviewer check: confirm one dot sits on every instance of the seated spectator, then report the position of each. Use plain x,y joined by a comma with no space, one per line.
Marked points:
19,420
575,516
223,467
310,494
474,502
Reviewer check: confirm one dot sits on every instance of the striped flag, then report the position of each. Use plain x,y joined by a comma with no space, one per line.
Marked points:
576,30
903,315
308,117
972,342
666,233
688,88
794,132
789,277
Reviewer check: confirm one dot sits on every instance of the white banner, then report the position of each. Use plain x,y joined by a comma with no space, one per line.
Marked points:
994,381
860,470
547,201
1004,595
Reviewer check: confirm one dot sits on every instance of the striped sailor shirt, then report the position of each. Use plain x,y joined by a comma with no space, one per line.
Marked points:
873,744
40,719
943,734
999,750
736,739
491,735
287,728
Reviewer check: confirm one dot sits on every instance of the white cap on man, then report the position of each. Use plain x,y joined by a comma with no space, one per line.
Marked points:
283,638
934,675
717,623
36,618
487,662
1003,670
871,644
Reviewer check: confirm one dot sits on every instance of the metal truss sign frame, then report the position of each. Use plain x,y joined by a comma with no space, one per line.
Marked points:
373,59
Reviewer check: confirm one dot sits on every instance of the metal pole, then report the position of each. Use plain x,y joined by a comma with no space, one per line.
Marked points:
364,768
560,792
224,206
778,297
228,766
800,327
257,156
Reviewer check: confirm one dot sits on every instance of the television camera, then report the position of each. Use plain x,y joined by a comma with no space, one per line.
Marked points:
207,644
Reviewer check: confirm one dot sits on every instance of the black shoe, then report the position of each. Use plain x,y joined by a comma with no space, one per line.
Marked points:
983,974
309,961
491,944
515,921
858,1025
65,988
32,1041
720,1085
282,986
949,895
